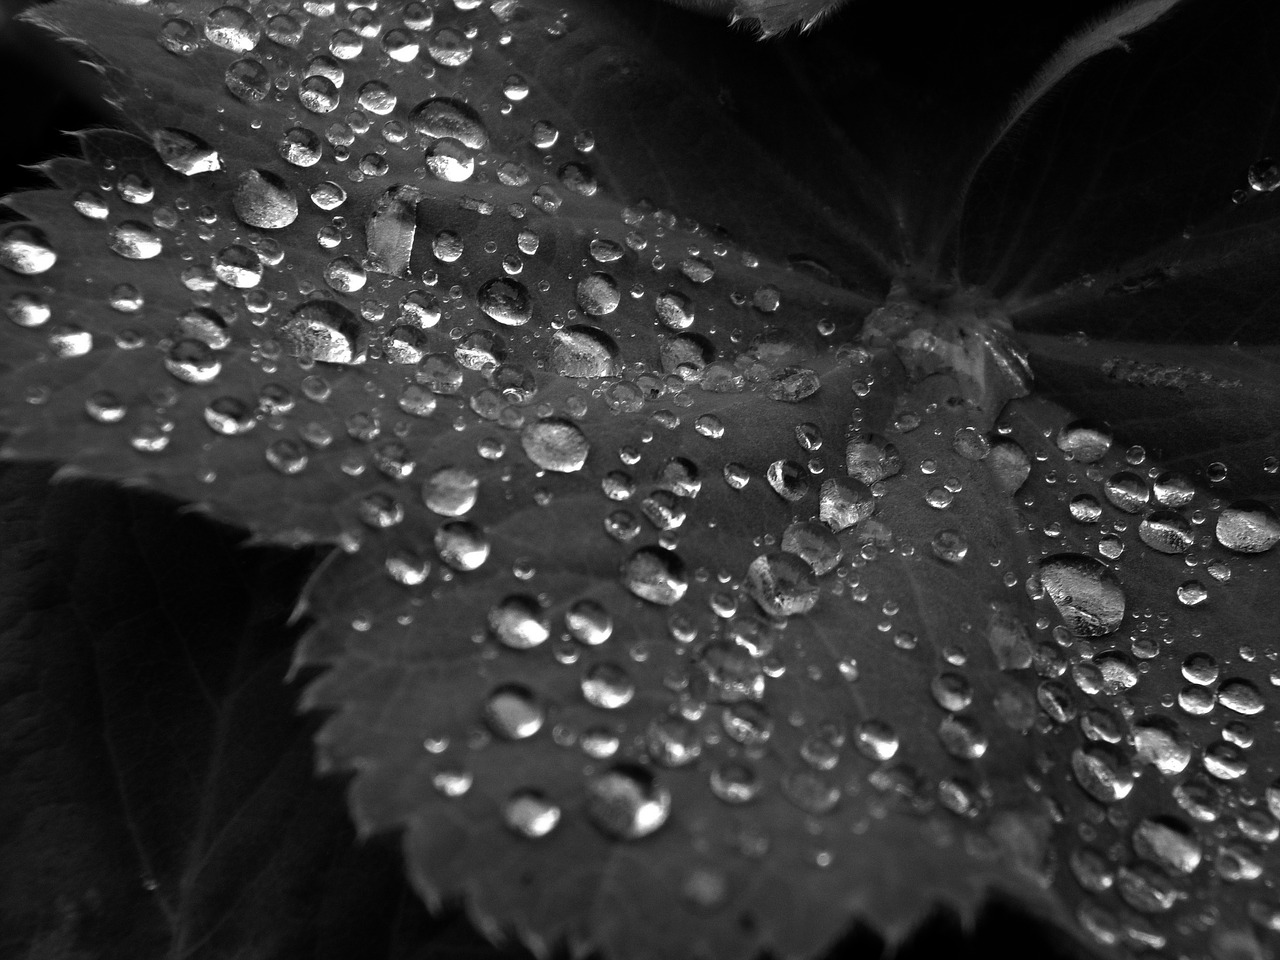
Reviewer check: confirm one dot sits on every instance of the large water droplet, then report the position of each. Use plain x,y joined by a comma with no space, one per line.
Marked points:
134,240
1166,532
607,686
1248,526
444,117
391,229
25,249
588,622
1085,593
450,491
513,712
192,361
598,294
264,200
628,802
556,444
1168,843
656,575
530,814
462,545
506,301
184,152
518,622
1102,771
1162,743
325,331
1083,441
844,502
782,584
233,28
870,459
582,351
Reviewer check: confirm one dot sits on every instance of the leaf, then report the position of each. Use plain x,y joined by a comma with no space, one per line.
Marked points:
157,790
734,592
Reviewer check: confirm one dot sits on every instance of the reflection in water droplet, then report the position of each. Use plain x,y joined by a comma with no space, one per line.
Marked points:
628,802
233,28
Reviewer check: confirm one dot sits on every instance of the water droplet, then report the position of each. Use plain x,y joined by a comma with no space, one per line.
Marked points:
1166,532
462,545
513,712
1168,843
782,584
287,456
1240,696
264,200
506,301
813,543
1162,743
1084,442
238,266
449,47
673,741
844,502
192,361
1127,491
949,546
1085,593
325,331
735,782
445,117
233,28
518,622
582,351
28,309
607,686
1102,771
530,814
876,740
656,575
134,240
871,459
1010,465
556,444
788,479
179,37
962,737
25,249
184,152
450,491
1248,526
598,294
300,147
588,622
628,802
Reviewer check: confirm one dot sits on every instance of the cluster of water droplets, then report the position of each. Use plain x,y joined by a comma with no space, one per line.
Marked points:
427,305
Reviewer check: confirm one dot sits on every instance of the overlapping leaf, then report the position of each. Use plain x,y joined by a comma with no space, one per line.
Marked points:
677,584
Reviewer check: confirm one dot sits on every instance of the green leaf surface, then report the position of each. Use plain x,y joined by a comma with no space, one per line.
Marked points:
704,585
